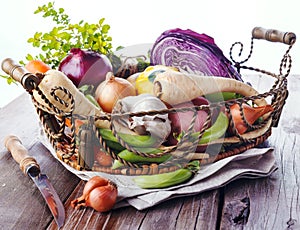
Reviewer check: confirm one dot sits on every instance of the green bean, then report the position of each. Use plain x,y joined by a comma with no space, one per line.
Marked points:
221,96
117,164
133,140
114,145
216,131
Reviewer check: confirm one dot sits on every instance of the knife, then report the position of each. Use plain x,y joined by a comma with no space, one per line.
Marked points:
30,167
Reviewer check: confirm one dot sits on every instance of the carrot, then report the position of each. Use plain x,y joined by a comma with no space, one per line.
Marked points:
37,66
55,78
175,87
251,114
68,122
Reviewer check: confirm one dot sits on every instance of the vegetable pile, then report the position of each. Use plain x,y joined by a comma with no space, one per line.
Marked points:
157,115
173,109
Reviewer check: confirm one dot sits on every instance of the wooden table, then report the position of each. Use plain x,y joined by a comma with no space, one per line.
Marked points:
267,203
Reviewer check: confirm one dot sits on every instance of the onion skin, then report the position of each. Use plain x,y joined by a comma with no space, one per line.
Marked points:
85,67
93,183
251,115
103,158
111,90
102,199
98,193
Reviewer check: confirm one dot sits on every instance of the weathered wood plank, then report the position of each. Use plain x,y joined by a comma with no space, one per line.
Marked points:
84,218
19,193
272,203
125,218
194,212
200,211
22,206
87,218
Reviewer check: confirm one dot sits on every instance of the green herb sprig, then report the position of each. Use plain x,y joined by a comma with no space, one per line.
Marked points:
55,44
9,79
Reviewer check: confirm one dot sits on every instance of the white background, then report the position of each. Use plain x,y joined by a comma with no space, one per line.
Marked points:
135,21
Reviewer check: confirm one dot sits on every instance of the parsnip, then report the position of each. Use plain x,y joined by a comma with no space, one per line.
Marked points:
175,87
55,78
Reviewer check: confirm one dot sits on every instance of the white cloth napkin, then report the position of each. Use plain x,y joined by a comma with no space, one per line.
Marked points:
261,164
253,163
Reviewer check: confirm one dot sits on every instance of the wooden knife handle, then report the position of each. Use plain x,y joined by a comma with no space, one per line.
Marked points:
274,35
20,154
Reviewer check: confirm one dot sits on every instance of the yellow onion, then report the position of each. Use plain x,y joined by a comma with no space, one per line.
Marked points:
98,193
111,90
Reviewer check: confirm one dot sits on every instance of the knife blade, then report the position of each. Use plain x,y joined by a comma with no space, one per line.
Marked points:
31,168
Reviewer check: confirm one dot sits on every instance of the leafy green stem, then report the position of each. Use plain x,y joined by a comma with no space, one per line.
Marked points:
56,43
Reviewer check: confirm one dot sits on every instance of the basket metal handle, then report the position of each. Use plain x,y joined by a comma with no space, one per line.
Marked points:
28,80
272,35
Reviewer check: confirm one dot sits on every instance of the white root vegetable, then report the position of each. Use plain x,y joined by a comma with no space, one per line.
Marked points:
175,87
55,78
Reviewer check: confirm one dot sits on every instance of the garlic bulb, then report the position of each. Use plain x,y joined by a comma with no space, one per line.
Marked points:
157,125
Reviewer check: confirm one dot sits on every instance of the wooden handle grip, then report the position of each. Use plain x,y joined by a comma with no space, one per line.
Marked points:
274,35
20,153
20,74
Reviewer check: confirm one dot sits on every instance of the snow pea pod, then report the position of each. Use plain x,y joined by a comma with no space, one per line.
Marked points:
133,140
133,158
163,180
216,131
114,145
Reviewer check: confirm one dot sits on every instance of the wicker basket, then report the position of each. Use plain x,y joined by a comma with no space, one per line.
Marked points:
64,139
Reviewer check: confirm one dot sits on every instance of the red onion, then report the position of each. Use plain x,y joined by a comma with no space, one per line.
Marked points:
85,67
181,121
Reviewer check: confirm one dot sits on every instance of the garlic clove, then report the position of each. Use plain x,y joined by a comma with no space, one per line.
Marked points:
157,125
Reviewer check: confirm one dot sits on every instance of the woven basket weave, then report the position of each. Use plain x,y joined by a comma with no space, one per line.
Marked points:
81,156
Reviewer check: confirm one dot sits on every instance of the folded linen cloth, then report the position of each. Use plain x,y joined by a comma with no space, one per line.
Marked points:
253,163
251,167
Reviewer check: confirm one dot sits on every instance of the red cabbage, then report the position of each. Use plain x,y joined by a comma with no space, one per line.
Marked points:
191,52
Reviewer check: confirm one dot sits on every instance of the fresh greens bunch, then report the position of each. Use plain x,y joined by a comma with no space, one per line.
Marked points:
56,43
9,79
